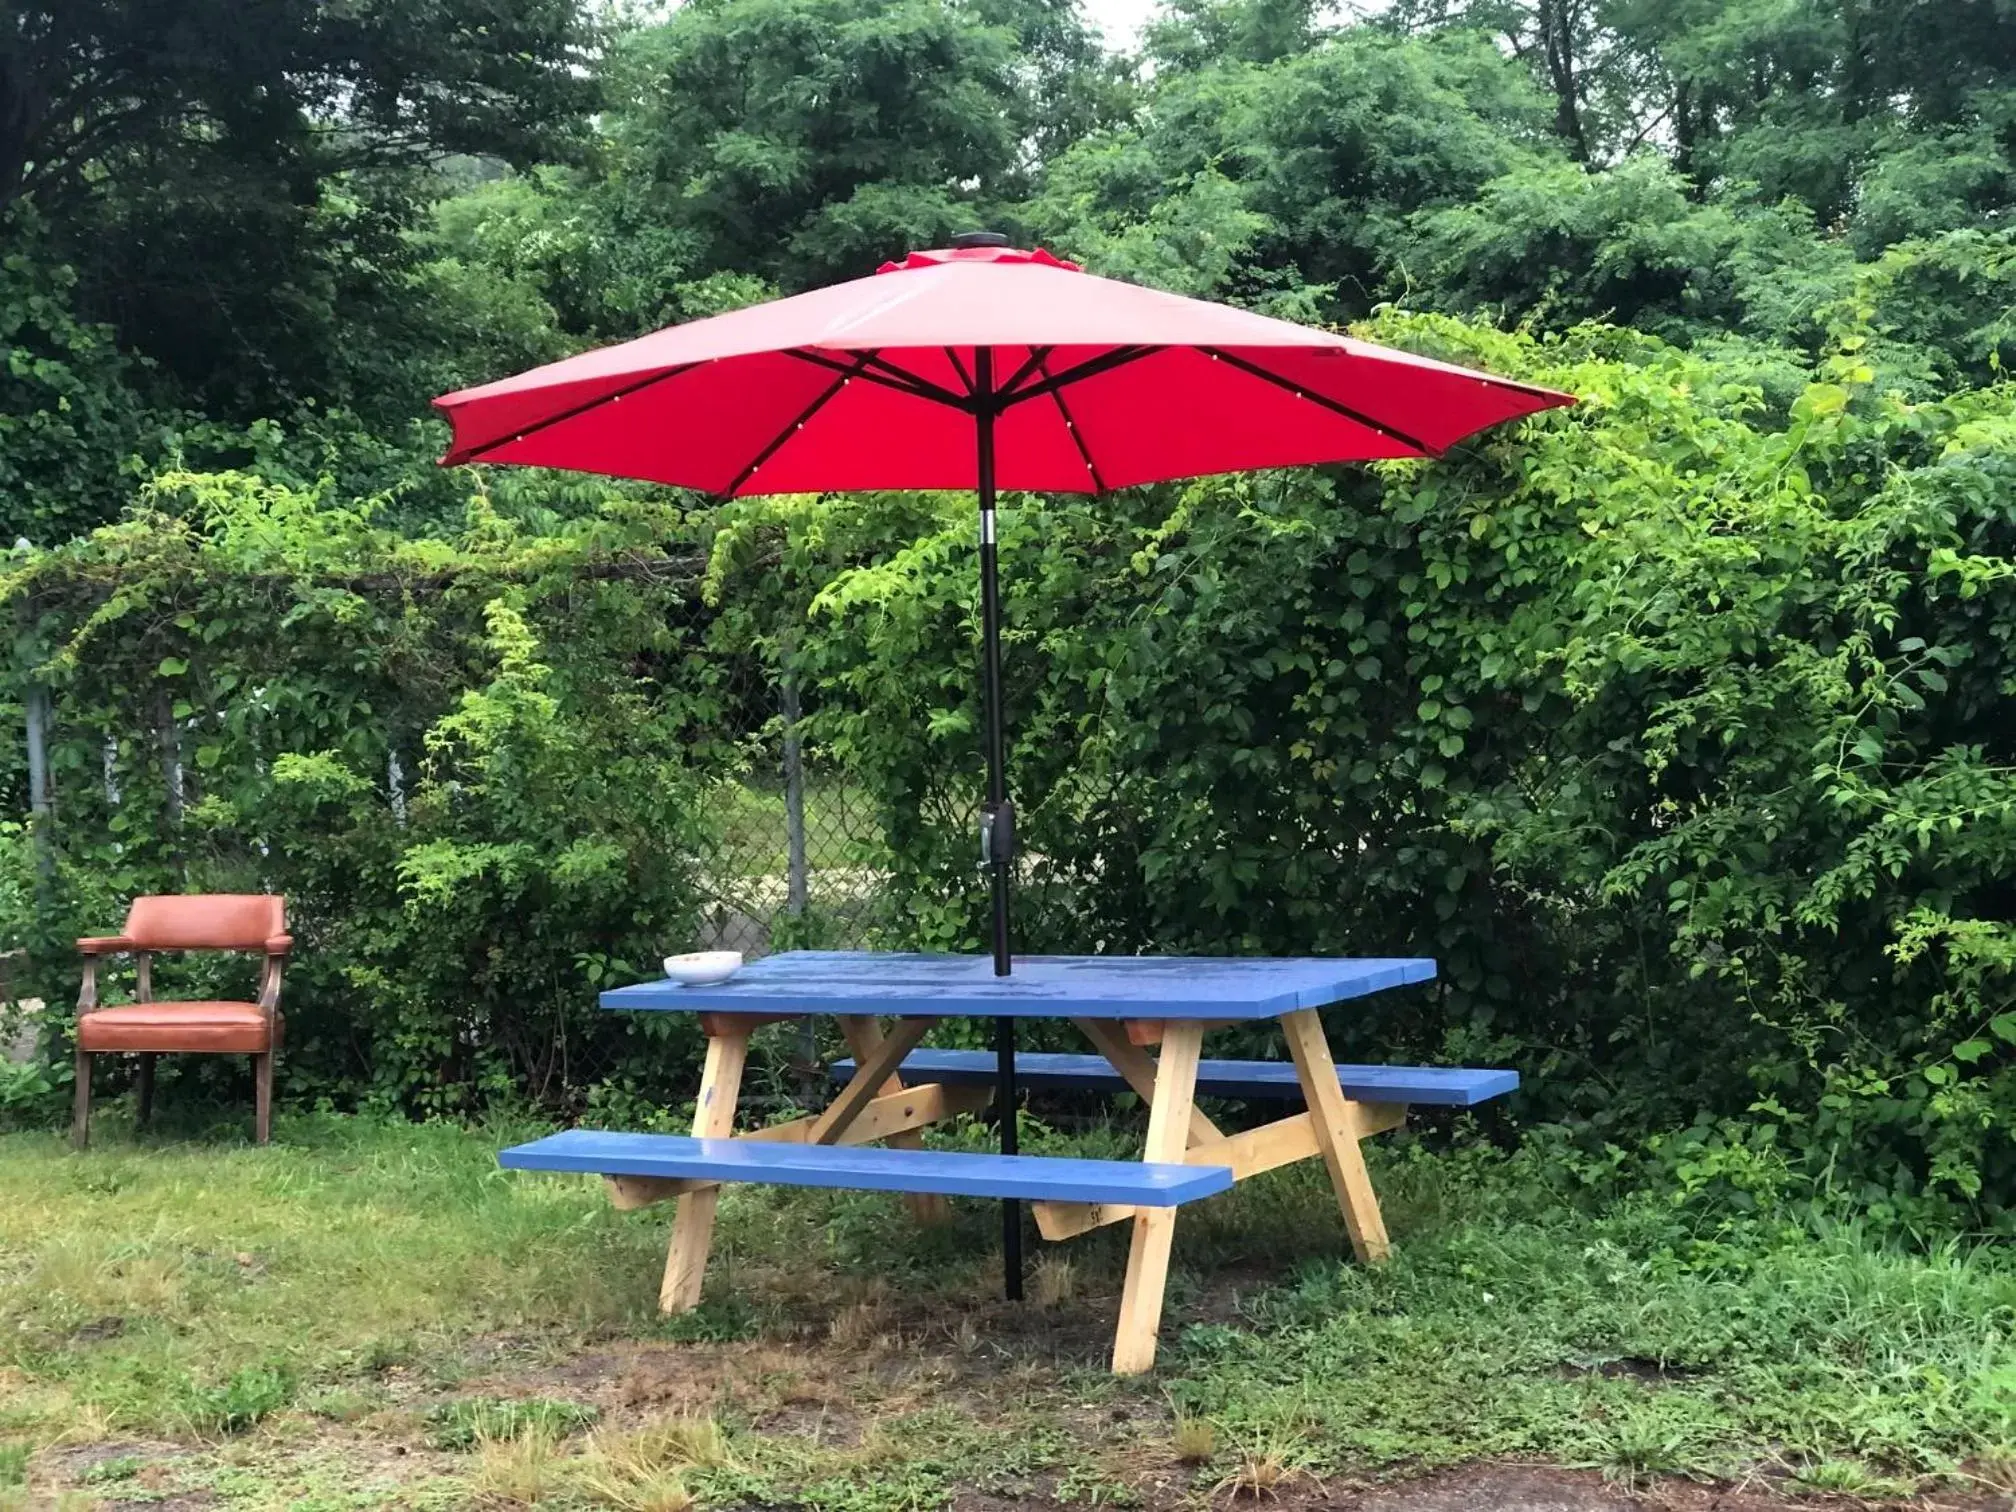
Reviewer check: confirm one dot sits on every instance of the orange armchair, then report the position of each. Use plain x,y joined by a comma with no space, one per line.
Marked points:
213,921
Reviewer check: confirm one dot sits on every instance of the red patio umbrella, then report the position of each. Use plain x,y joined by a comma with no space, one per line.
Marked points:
983,367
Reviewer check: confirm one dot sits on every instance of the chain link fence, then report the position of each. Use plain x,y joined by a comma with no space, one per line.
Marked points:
796,862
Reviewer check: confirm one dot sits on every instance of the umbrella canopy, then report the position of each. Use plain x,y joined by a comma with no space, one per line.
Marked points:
978,366
881,383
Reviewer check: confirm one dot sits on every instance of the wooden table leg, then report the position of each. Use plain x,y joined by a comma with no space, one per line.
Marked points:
1155,1228
863,1033
1137,1067
713,1118
1339,1127
1066,1220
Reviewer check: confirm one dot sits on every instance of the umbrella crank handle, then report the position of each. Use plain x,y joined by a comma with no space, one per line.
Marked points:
997,833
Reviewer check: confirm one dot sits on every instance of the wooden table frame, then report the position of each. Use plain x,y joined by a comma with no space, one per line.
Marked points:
876,1105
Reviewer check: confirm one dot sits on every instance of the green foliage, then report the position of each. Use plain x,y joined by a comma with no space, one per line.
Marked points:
1668,728
471,764
807,140
467,1422
72,421
1245,175
250,1395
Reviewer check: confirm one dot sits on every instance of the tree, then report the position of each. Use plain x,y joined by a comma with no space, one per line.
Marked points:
1309,166
233,182
103,84
803,141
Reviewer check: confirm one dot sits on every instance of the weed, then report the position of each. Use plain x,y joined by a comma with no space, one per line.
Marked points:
14,1464
518,1470
1195,1439
645,1491
645,1470
1266,1461
1054,1281
1849,1477
467,1422
107,1472
253,1393
1637,1439
856,1326
687,1442
1091,1487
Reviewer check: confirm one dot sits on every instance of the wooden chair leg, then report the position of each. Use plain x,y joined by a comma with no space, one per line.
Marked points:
1338,1130
143,1093
80,1117
262,1095
693,1224
1155,1228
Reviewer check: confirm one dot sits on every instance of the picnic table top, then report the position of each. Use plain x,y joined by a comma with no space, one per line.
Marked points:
956,986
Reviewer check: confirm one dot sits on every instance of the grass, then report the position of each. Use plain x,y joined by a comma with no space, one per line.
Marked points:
369,1314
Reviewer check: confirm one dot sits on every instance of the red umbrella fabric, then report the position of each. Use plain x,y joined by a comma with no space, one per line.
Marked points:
875,384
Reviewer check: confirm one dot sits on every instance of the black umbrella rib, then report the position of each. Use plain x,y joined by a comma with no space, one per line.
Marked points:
1071,427
1038,357
924,386
1091,367
873,367
476,453
1322,401
792,428
959,367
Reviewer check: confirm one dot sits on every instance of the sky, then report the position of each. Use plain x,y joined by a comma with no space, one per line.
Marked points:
1120,21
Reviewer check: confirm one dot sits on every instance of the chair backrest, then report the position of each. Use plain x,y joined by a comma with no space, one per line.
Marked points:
206,921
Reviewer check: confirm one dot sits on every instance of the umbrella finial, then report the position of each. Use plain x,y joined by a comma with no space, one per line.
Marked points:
967,239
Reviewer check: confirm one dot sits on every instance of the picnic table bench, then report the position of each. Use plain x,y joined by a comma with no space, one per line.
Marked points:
892,1090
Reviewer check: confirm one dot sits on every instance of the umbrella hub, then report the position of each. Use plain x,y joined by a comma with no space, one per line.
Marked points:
963,251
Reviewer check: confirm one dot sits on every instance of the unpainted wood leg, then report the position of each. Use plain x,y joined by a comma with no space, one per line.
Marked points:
1137,1068
1339,1127
1155,1228
693,1224
863,1033
262,1097
80,1117
143,1093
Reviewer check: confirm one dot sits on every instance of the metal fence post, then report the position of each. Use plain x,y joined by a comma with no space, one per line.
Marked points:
796,867
41,801
35,713
797,875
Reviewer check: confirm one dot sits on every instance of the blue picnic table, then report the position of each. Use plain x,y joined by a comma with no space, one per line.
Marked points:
1125,1006
965,986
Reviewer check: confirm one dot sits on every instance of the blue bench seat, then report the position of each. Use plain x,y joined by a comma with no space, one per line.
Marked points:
1441,1086
950,1173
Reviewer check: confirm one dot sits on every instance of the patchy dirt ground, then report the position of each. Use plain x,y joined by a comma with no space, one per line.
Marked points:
847,1408
372,1318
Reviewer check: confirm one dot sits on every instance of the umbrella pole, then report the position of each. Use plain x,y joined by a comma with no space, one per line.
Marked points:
999,814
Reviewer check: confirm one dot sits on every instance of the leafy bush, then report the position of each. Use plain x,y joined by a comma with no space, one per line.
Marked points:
1670,725
474,766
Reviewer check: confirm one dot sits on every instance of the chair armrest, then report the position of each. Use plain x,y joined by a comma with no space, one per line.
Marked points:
279,945
93,945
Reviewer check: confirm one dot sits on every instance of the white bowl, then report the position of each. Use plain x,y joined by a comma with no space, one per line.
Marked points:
703,968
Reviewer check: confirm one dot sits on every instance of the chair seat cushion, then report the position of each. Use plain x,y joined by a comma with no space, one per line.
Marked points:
224,1028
